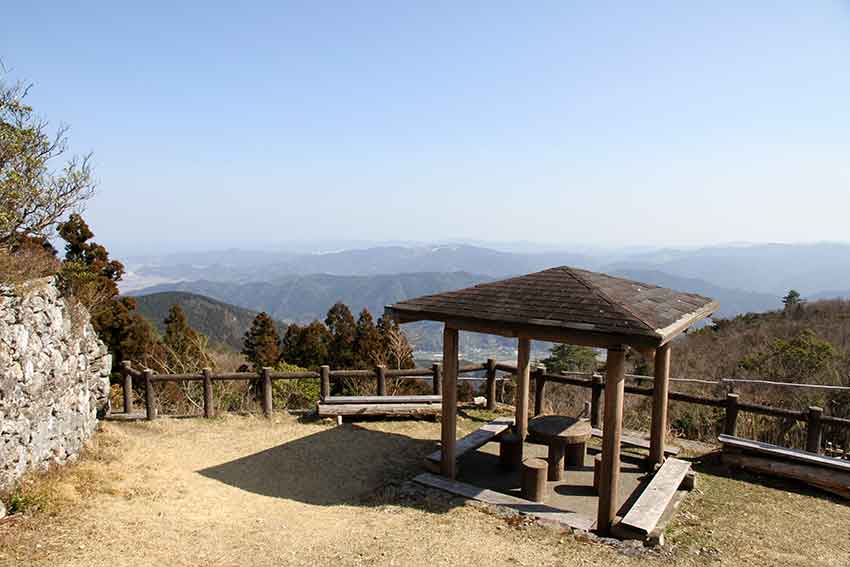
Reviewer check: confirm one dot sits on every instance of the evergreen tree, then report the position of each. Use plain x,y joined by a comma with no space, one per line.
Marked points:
182,342
261,345
90,277
290,348
342,328
315,340
367,341
570,358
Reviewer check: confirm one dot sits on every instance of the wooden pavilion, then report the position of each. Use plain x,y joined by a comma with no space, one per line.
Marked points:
565,305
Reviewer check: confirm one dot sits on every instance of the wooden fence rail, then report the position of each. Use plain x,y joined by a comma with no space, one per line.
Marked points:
813,416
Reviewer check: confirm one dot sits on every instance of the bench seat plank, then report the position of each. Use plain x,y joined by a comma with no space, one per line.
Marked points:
650,506
326,410
758,447
474,440
382,400
633,441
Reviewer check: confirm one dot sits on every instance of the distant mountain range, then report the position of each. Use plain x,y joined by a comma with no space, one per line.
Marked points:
298,287
305,298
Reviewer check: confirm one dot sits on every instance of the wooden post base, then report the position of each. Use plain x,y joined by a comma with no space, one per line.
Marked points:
533,481
597,472
575,455
510,451
556,461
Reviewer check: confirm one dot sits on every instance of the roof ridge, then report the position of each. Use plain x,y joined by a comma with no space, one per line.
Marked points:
606,297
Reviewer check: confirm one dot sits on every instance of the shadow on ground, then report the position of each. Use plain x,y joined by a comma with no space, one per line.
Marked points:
341,465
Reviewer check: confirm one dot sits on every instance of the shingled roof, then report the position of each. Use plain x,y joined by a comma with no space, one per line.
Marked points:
567,299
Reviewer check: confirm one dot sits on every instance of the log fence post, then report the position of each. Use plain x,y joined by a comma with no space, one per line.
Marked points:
325,375
381,374
596,390
813,429
209,411
437,384
266,377
491,384
730,423
127,386
150,400
539,386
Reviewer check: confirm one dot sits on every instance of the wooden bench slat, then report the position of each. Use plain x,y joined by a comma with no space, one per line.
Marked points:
326,410
783,452
429,399
632,441
476,439
650,506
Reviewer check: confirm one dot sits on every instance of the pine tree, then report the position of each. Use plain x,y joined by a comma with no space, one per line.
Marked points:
367,342
261,345
90,277
315,339
342,328
570,358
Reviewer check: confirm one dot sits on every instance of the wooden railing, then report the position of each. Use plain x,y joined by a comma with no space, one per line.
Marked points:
267,376
813,416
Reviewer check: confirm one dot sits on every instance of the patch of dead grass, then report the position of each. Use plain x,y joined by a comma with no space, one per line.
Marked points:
243,490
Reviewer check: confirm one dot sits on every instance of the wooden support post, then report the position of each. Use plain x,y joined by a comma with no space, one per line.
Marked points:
730,423
658,432
609,484
325,376
381,375
150,400
539,386
491,384
209,410
522,378
438,379
448,465
266,377
596,399
127,386
813,429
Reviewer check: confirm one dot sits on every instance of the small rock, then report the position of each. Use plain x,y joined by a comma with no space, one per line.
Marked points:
2,510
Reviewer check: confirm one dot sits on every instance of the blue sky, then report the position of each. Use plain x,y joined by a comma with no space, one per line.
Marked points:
254,123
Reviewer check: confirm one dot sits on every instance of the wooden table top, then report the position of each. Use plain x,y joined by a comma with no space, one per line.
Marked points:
560,428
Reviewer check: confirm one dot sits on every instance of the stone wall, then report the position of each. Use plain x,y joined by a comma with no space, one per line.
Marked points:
54,378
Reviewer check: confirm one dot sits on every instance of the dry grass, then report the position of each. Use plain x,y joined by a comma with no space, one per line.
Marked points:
246,491
26,264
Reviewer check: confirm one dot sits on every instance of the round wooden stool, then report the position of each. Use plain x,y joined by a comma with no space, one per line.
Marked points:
567,439
533,480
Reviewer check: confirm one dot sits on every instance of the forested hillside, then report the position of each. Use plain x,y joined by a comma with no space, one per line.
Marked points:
223,323
804,343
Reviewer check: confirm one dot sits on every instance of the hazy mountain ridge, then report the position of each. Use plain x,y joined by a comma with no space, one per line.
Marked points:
305,298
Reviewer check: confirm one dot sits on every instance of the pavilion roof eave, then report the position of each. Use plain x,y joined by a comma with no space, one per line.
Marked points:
679,326
584,335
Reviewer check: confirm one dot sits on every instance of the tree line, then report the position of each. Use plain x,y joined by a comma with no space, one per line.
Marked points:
340,342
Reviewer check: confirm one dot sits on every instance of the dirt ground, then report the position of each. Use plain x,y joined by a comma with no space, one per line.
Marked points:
241,490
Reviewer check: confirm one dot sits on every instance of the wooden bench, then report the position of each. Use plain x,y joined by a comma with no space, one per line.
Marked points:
655,501
826,473
340,406
639,442
471,442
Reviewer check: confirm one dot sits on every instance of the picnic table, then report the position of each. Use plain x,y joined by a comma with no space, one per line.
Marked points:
566,438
